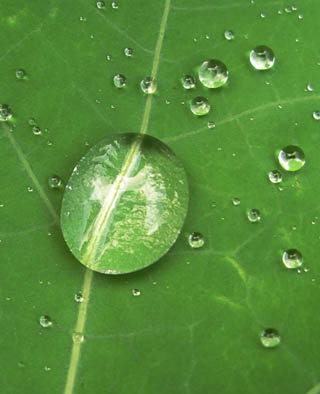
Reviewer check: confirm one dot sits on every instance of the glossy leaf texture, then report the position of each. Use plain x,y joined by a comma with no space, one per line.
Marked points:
192,322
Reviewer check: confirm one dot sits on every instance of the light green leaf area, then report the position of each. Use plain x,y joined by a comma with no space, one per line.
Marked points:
195,328
125,203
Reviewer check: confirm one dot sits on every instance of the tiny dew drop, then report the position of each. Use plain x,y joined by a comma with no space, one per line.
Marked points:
196,240
148,85
254,215
30,189
119,81
211,125
270,338
229,35
32,122
115,5
136,292
213,73
108,58
292,258
128,52
5,113
55,182
47,369
291,158
200,106
36,130
262,57
275,176
100,5
45,321
20,74
78,297
188,82
309,88
236,201
77,337
316,115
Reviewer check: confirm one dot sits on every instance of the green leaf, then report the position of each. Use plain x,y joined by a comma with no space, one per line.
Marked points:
196,326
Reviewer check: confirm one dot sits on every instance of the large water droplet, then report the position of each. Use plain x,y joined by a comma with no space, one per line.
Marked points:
292,258
262,57
291,158
188,82
148,85
213,73
119,81
275,176
54,182
200,106
5,113
270,338
127,201
196,240
45,321
254,215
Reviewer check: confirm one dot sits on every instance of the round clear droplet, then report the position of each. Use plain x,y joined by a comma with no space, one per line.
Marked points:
101,5
115,5
291,158
236,201
316,115
262,57
254,215
200,106
119,81
188,82
78,297
128,52
45,321
136,292
196,240
229,35
275,176
36,130
125,203
55,182
5,113
270,338
213,73
309,88
77,337
211,125
20,74
292,258
148,85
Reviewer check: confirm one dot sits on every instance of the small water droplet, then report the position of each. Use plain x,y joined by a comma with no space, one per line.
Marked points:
36,130
316,115
288,10
167,101
136,292
32,122
128,52
211,125
306,269
292,258
83,19
236,201
5,113
207,37
254,215
188,82
20,74
270,338
30,189
262,57
77,337
148,85
54,182
275,176
200,106
213,73
119,81
21,364
78,297
294,8
45,321
69,187
100,5
196,240
291,158
300,16
115,5
47,369
309,88
108,58
229,35
263,15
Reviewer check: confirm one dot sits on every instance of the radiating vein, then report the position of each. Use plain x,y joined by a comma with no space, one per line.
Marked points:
129,163
30,173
